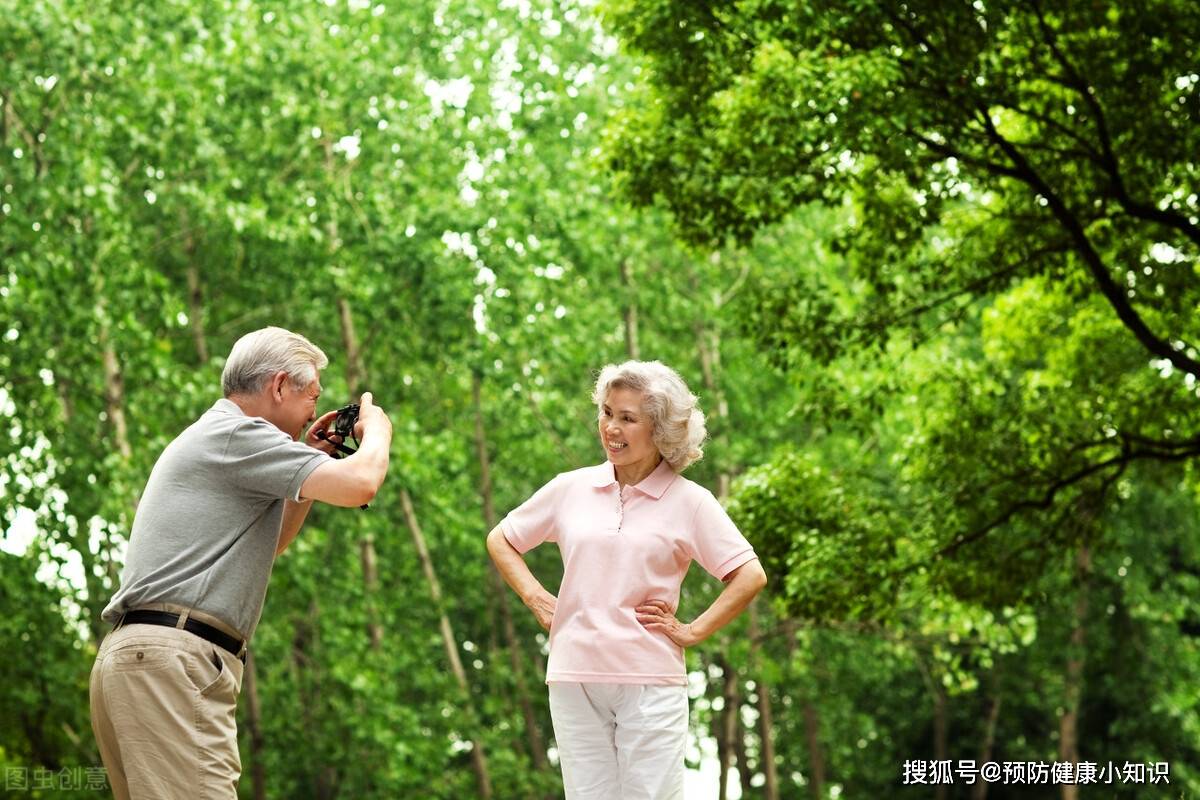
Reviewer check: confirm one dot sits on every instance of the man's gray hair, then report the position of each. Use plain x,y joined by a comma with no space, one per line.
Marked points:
260,354
677,422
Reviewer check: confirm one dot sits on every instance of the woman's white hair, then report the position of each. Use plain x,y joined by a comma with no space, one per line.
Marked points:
677,422
260,354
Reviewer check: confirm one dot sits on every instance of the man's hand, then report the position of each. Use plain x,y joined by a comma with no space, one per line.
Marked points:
371,418
312,439
354,480
543,606
658,616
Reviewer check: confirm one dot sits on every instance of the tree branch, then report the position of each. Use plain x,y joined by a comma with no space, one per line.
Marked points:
1109,162
1119,463
1108,287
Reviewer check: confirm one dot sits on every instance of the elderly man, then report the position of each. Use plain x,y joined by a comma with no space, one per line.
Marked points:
225,498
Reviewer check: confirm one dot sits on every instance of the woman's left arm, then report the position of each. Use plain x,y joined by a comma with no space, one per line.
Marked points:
741,586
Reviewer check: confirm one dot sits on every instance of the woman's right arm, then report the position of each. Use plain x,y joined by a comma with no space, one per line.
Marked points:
516,574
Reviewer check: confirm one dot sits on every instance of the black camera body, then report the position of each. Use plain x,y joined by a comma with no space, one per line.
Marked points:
343,423
343,426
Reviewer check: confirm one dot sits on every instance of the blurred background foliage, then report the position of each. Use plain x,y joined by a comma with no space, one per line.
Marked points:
930,266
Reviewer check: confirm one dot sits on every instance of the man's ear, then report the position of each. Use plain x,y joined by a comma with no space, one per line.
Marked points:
277,381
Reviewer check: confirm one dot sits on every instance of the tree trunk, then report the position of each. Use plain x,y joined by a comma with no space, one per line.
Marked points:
114,394
816,756
743,758
366,547
258,767
195,291
940,747
478,759
631,311
718,731
196,311
708,346
114,410
355,377
537,746
356,374
937,693
766,721
812,735
726,724
306,675
1068,724
980,789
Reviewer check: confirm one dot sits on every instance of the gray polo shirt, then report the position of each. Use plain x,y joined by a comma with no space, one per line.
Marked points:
205,531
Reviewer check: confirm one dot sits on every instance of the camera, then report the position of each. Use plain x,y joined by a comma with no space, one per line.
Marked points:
343,426
343,423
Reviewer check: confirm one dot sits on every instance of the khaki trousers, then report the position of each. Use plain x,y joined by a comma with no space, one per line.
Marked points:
163,710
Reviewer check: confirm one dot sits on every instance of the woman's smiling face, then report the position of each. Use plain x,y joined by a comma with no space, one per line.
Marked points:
626,431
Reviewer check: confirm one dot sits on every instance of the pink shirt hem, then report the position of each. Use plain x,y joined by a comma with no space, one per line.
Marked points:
610,677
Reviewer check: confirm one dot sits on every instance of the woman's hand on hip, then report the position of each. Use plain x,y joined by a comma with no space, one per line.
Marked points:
658,616
543,606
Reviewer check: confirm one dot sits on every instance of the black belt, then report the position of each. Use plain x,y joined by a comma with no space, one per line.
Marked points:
204,631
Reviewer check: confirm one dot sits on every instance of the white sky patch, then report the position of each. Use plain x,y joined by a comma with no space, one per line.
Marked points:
547,64
472,172
479,314
62,567
505,90
584,75
524,7
20,534
64,571
454,93
1163,253
350,146
460,243
473,169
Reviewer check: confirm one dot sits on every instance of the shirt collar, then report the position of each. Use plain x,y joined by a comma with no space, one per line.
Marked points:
653,485
228,406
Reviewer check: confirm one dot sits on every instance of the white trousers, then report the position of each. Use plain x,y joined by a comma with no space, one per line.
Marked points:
620,741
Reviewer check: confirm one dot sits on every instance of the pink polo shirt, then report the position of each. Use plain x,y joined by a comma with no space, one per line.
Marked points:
619,548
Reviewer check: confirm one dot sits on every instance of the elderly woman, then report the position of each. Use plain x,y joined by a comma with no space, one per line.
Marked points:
628,530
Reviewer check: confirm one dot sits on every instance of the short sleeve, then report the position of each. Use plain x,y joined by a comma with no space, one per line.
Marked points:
716,542
536,520
264,460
